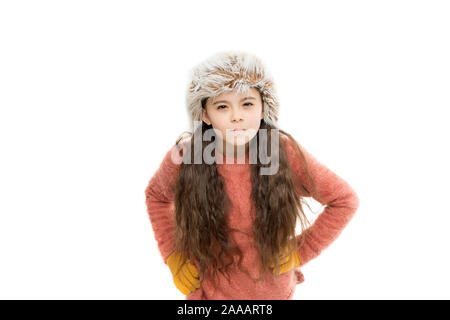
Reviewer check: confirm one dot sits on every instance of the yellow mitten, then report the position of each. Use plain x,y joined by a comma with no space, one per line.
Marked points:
288,262
185,274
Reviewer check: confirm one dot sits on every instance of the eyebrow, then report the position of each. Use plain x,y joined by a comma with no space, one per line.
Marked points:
228,101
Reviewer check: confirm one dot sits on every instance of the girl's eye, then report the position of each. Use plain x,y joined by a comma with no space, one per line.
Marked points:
248,103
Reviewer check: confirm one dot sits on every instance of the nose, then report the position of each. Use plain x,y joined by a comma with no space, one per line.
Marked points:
236,114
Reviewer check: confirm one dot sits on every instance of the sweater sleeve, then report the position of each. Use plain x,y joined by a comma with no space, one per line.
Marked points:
339,198
159,196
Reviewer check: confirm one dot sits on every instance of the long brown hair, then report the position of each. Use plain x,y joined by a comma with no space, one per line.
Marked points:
201,207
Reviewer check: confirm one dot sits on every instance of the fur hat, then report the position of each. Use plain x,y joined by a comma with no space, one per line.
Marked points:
226,71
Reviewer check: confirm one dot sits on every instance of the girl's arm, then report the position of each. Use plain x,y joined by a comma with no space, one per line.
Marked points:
159,196
340,199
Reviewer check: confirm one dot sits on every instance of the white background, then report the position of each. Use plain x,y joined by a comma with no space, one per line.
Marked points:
92,97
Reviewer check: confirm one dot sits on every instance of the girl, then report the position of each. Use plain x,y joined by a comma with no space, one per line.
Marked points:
223,216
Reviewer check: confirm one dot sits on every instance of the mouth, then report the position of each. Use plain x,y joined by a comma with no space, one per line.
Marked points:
238,131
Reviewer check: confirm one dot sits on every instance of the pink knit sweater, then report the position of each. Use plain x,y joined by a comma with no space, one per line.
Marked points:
341,203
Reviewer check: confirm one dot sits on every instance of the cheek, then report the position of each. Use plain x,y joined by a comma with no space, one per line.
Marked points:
220,131
218,125
256,121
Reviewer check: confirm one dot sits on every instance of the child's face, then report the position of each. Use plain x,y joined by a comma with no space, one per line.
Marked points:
230,111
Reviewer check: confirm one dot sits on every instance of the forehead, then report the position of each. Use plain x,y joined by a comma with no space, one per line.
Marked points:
234,95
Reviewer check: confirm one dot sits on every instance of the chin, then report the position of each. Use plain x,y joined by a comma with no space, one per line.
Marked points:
240,141
237,143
